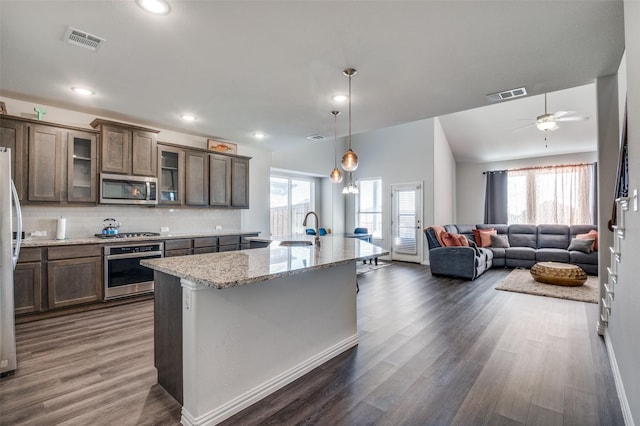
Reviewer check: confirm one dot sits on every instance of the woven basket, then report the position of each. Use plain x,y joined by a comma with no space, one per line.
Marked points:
558,274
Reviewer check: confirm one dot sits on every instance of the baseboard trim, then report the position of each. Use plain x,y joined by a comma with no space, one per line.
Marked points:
254,395
617,378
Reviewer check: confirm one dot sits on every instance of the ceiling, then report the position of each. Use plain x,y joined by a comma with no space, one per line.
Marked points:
248,66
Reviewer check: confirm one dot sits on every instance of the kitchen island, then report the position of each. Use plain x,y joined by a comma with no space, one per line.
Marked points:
232,328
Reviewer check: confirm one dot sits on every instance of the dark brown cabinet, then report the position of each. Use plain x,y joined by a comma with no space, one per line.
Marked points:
219,180
13,135
177,247
51,163
204,245
170,175
47,146
240,182
74,275
27,282
82,167
197,178
127,149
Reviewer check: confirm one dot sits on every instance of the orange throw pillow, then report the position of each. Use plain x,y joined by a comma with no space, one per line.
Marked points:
483,236
591,235
454,240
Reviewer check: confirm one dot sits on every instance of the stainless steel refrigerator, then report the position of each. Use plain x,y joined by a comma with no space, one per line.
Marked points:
8,258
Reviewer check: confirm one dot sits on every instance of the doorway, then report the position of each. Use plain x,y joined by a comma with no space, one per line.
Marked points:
406,217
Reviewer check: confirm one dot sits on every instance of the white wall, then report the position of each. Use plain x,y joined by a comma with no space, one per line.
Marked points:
470,181
397,154
444,178
624,322
85,221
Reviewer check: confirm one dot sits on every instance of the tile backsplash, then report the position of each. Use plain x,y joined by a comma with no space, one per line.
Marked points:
83,222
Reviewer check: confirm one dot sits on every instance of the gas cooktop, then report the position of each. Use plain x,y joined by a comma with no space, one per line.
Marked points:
128,235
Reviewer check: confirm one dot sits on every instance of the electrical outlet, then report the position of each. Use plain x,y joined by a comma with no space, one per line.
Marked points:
164,229
4,363
38,234
635,200
218,227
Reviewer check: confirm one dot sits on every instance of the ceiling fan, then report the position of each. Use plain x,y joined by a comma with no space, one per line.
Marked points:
549,121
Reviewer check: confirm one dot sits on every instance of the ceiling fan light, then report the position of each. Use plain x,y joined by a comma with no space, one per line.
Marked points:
546,125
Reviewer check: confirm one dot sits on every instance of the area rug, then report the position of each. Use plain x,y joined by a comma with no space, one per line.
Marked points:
367,267
520,281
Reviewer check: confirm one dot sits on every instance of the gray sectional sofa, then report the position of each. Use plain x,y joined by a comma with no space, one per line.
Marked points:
529,244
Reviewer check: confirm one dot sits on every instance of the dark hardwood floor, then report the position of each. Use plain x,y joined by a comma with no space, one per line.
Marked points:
433,351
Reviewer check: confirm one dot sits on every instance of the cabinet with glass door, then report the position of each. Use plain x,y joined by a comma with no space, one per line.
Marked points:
82,167
171,175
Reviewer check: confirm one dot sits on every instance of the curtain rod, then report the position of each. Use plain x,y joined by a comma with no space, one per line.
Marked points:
538,167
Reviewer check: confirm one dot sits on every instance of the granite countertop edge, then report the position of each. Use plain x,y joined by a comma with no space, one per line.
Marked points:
97,240
244,281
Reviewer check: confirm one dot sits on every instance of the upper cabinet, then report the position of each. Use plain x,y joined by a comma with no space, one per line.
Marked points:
219,180
240,182
127,149
210,179
82,162
13,135
170,175
51,163
47,145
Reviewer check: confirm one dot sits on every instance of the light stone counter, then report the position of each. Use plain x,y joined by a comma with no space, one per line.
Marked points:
231,269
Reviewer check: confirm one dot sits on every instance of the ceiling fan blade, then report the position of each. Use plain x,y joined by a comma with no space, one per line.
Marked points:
574,118
559,114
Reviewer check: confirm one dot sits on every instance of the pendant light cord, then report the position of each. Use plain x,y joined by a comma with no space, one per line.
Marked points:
350,75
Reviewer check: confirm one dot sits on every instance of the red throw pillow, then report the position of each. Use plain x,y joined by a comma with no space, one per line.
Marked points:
483,236
453,240
591,235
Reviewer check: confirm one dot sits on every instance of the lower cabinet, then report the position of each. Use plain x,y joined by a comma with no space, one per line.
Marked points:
74,275
27,282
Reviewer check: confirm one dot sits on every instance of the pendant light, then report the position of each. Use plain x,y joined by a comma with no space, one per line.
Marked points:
349,159
351,187
336,174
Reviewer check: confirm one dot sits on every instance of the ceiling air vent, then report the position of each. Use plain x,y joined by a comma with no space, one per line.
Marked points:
507,94
315,137
83,39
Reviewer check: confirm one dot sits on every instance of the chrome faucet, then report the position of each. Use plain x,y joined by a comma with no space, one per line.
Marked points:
304,223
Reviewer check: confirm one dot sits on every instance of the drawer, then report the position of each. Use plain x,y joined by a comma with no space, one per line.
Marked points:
178,252
203,250
245,246
71,252
231,247
205,242
184,243
228,240
30,255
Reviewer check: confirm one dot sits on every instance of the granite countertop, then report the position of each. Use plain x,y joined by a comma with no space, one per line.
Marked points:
95,240
236,268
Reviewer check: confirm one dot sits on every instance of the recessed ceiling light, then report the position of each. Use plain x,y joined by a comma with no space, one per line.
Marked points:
82,91
188,117
159,7
340,98
258,135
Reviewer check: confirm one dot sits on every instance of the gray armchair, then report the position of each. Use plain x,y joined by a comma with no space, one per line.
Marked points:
462,262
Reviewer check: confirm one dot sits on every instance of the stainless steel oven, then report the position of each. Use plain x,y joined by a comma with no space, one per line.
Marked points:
123,274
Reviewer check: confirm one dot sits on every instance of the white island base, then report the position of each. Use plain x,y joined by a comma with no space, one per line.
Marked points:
243,343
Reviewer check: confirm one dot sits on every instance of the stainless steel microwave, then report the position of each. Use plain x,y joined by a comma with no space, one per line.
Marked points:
121,189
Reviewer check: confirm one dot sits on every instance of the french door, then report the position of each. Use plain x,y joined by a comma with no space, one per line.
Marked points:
406,215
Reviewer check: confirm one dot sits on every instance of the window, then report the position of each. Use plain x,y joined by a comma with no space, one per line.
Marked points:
291,199
554,194
369,206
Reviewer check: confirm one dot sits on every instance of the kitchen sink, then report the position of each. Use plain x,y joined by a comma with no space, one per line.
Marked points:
295,243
